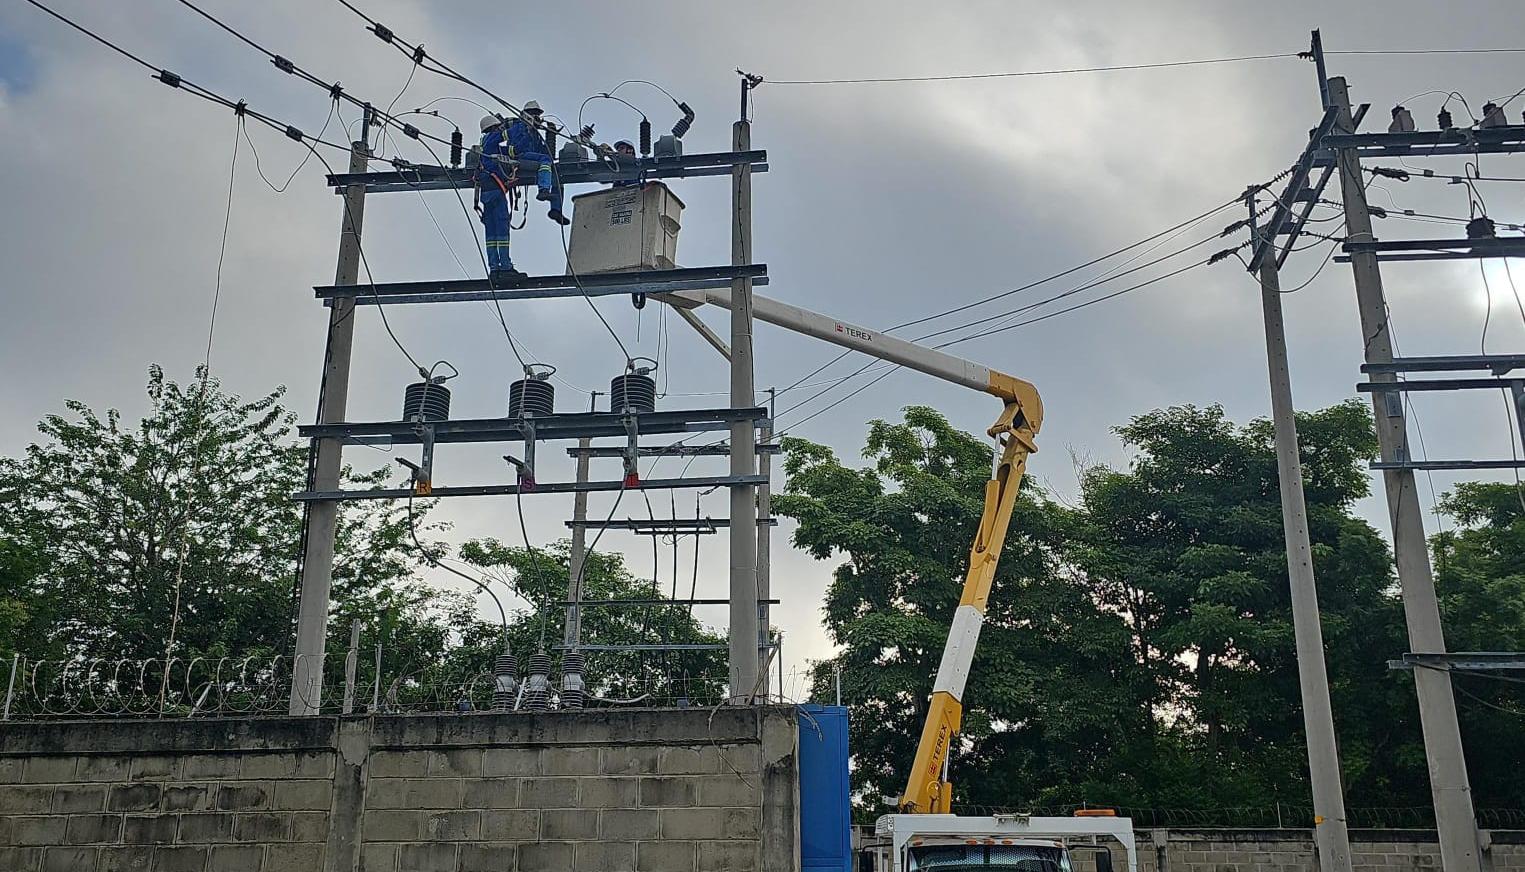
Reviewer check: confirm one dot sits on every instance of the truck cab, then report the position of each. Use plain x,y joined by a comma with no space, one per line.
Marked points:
996,843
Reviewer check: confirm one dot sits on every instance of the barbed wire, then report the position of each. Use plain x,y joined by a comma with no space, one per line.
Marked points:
260,685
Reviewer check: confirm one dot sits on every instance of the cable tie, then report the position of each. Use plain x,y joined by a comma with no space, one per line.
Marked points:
382,32
293,133
284,65
168,78
418,54
410,131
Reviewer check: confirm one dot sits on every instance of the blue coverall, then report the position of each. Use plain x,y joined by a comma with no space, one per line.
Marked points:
528,144
493,179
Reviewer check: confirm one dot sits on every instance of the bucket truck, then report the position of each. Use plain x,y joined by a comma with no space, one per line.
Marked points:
925,835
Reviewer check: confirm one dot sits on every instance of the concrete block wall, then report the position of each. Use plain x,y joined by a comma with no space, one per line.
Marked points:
669,790
1291,850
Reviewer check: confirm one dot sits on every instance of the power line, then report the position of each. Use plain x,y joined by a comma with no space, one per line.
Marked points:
1028,73
1062,295
174,80
1078,306
893,367
1059,275
334,89
1422,51
1064,71
388,119
244,111
416,53
421,59
1030,285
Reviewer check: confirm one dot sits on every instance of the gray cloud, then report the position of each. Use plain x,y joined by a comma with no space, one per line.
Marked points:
884,202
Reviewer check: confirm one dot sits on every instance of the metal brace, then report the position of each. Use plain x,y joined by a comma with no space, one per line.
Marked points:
423,472
632,449
526,469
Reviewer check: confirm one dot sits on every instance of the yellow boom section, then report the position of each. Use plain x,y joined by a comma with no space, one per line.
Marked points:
926,791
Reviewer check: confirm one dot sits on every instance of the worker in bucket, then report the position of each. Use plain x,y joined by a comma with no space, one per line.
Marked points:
526,143
495,185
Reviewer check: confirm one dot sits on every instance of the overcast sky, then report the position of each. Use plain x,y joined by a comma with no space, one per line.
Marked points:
883,203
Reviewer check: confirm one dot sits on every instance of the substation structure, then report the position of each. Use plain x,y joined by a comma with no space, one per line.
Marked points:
616,433
1336,148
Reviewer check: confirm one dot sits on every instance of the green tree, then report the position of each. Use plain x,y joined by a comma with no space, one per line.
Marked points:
1139,650
1052,688
1480,578
540,577
115,534
1188,542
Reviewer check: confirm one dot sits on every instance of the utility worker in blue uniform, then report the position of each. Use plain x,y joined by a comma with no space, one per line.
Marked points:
526,143
624,149
495,180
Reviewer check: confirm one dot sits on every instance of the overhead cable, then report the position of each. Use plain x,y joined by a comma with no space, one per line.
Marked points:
1027,73
174,80
243,111
334,89
421,58
1064,71
388,119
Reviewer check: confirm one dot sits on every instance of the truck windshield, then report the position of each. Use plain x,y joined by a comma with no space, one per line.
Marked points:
1006,858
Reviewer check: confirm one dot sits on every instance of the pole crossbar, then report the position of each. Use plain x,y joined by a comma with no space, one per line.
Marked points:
573,425
1439,384
665,527
554,487
615,169
543,287
1499,364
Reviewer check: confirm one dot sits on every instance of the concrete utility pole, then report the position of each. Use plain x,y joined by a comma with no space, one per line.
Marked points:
1452,794
744,649
1330,834
323,516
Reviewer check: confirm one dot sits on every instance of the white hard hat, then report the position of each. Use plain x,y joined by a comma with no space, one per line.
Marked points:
532,106
489,122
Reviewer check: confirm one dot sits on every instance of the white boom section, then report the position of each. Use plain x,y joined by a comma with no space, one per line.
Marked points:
848,335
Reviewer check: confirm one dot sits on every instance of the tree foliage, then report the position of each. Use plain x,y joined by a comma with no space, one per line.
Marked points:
1480,578
541,576
104,526
1139,647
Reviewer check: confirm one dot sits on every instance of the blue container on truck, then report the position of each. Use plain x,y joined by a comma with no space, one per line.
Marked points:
825,800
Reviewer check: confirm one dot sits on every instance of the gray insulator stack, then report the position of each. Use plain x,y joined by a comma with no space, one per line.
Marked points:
426,401
537,687
532,396
505,682
573,690
635,391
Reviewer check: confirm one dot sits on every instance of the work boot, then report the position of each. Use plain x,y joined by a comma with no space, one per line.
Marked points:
504,277
544,194
555,215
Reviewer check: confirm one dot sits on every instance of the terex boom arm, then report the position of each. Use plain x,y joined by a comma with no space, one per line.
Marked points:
927,791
